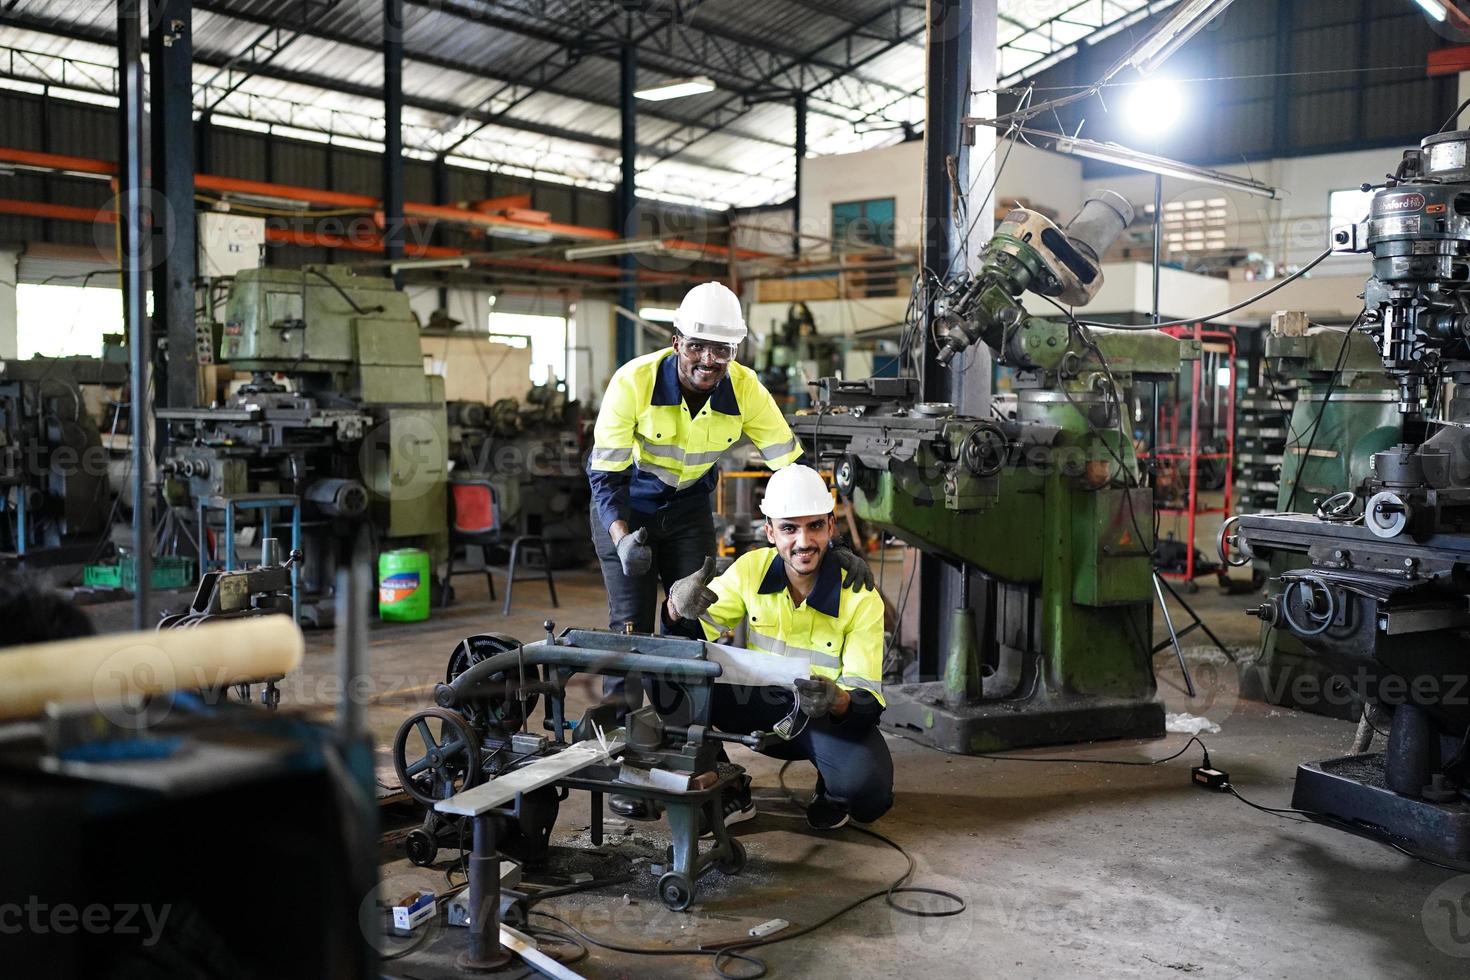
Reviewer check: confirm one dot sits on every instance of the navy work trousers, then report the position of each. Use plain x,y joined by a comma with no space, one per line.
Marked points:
854,765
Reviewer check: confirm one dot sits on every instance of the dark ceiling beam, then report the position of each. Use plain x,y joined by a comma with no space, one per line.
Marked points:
369,49
747,67
732,112
312,80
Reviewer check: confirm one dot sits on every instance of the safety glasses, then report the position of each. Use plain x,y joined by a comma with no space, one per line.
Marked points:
699,350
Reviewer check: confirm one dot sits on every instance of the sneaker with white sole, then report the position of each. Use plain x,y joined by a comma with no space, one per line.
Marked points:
824,814
737,805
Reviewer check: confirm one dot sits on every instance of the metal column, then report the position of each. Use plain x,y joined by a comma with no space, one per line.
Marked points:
960,55
800,107
441,197
134,226
170,57
627,335
393,128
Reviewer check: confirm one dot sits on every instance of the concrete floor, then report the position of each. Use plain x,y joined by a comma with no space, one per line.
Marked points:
1068,870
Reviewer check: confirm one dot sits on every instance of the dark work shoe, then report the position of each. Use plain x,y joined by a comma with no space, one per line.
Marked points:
632,808
736,805
824,814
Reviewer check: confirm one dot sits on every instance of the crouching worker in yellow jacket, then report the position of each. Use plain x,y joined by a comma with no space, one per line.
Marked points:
792,600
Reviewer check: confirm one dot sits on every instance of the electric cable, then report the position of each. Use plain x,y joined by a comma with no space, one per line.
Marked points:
723,952
1454,116
1322,409
359,310
1193,740
1359,830
1190,321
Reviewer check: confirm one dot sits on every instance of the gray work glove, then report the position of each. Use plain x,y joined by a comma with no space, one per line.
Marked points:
856,574
634,553
815,695
691,595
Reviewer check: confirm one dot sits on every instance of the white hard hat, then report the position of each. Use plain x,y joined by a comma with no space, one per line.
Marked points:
796,491
711,312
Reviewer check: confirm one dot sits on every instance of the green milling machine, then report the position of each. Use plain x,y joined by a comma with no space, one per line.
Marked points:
1047,513
1346,410
339,413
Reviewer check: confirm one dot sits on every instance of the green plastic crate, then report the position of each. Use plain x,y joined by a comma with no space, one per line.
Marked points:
169,572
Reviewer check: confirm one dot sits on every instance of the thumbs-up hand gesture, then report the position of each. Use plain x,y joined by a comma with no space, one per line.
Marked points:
691,595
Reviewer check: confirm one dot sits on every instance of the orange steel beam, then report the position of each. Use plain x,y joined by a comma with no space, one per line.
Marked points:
1449,61
506,202
472,215
59,212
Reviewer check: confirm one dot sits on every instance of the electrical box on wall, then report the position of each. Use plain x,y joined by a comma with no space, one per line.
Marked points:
229,243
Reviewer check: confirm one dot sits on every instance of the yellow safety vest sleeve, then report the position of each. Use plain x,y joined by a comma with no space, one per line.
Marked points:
768,430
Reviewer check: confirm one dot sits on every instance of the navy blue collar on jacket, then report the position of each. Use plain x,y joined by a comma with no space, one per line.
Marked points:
826,595
666,389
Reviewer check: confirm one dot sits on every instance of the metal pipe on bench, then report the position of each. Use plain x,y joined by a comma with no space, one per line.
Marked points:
473,683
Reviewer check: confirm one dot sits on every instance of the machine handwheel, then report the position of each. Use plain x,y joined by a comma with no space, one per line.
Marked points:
503,711
735,863
985,451
421,848
1321,615
1228,546
676,891
433,767
1338,508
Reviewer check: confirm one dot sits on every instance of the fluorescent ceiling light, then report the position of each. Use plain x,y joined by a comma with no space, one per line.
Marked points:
657,314
631,246
1174,33
1147,162
1435,9
676,88
462,262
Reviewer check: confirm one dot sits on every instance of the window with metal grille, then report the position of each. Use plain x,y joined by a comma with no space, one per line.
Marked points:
1194,227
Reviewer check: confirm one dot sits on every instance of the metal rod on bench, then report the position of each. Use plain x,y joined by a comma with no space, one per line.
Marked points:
485,952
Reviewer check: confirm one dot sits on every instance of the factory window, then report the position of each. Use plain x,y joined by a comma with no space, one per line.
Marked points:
862,224
547,337
65,321
1348,207
1199,225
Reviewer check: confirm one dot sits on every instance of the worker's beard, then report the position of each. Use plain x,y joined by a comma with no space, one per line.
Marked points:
805,561
699,377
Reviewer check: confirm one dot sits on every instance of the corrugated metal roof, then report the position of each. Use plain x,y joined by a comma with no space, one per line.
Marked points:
520,85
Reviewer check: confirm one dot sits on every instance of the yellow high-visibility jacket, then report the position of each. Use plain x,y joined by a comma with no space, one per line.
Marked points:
650,453
841,631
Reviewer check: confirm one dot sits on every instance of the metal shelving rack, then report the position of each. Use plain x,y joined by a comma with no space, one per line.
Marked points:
1188,458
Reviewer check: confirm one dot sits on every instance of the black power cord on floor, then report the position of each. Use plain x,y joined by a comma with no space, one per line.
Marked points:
739,949
1224,785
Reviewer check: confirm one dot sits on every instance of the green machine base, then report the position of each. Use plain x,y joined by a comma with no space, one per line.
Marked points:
918,712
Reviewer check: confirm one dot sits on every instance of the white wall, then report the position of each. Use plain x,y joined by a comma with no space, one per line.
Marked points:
592,326
8,330
1290,231
1042,178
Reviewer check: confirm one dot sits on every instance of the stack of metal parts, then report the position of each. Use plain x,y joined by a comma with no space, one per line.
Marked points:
1260,447
534,453
54,492
1380,595
339,415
